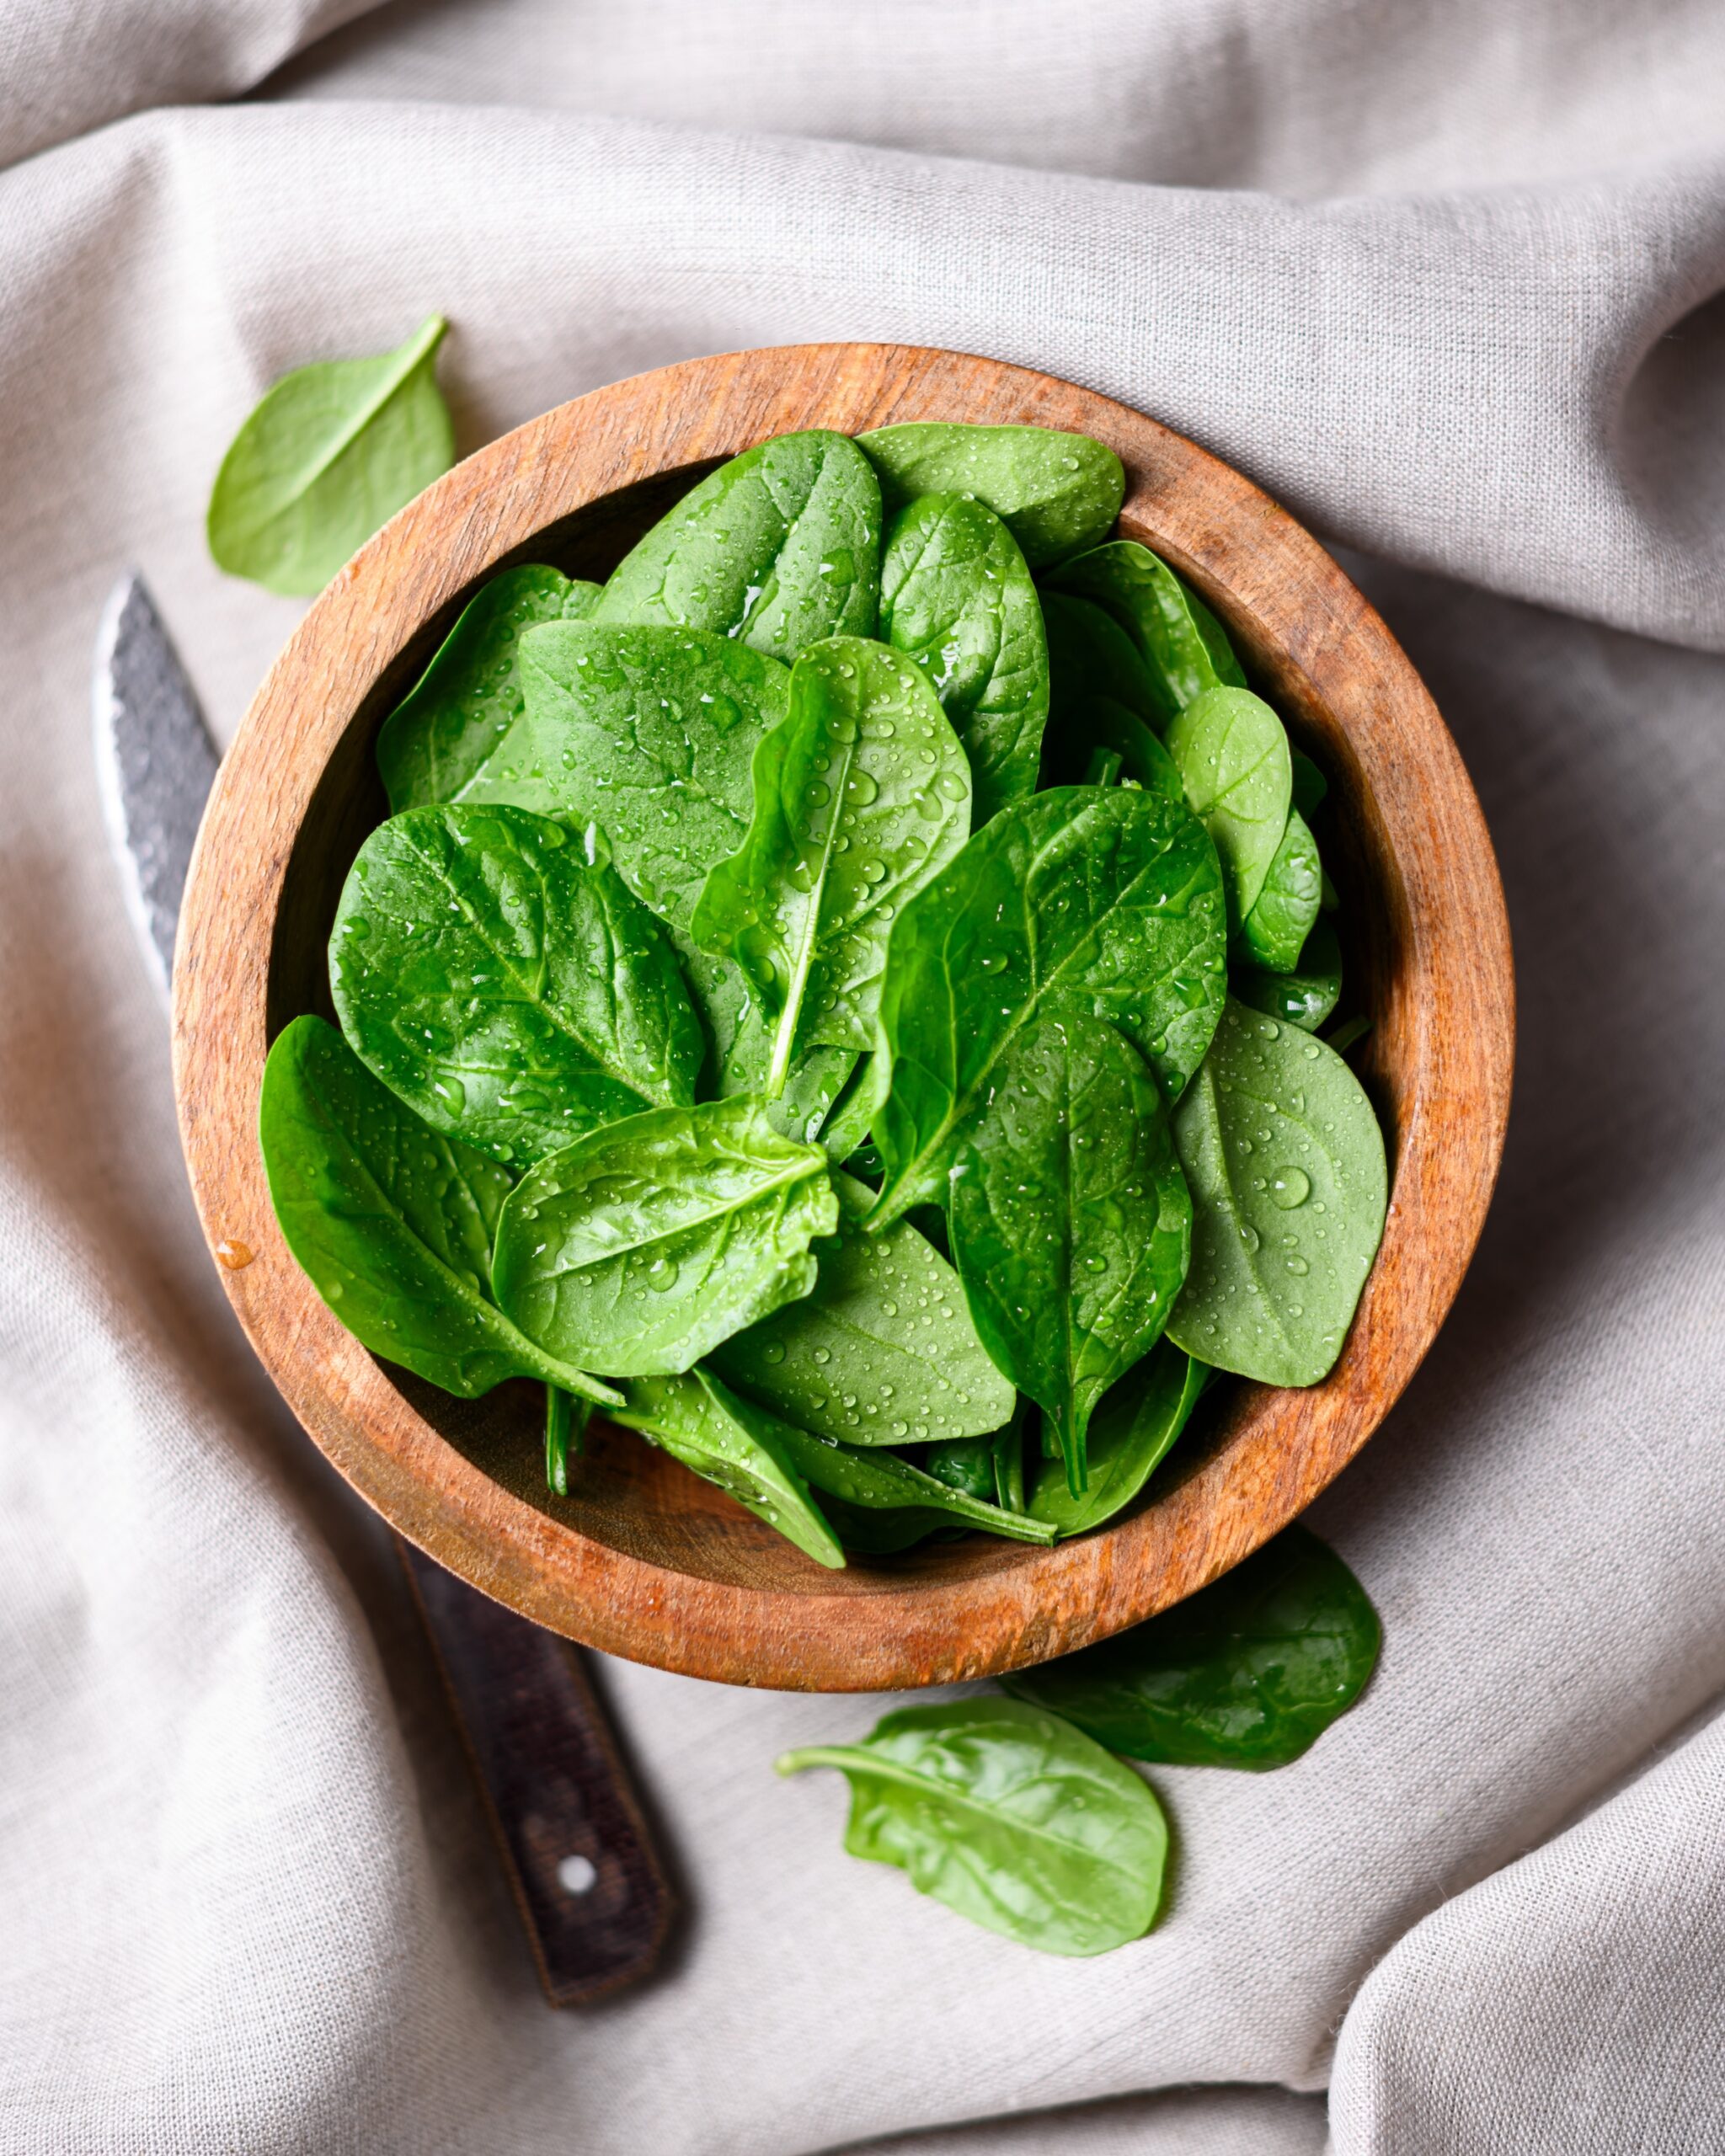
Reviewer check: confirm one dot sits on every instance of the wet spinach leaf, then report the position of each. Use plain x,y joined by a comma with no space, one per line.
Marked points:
1056,493
956,596
1249,1672
1112,899
1285,1163
391,1222
499,975
329,454
1134,1425
963,1464
1069,1222
861,794
1233,756
1305,997
880,1351
727,1441
777,549
881,1481
653,1239
435,742
1184,647
1008,1815
1286,911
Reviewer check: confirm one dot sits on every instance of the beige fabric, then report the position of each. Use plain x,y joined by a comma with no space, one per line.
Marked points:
245,1899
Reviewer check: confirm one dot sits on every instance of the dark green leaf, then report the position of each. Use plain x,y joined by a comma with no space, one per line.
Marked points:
1310,786
1248,1673
1285,1163
1305,997
434,743
1181,642
963,1464
881,1481
1054,492
1131,1431
861,794
777,549
1069,1217
1284,912
727,1441
1348,1035
1233,757
1102,698
882,1534
501,977
1008,1815
1112,899
651,1240
331,453
882,1352
956,596
565,1419
392,1223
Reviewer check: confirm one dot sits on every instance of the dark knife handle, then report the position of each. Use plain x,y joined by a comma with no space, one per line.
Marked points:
585,1876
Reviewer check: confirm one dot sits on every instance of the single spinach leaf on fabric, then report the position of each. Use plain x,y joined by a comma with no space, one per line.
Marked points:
1069,1217
1131,1433
726,1441
880,1351
777,549
1056,493
881,1481
1008,1815
500,976
1112,899
1305,997
1249,1672
329,454
861,793
956,596
1285,1163
434,743
1284,912
1233,756
392,1223
653,1239
1181,643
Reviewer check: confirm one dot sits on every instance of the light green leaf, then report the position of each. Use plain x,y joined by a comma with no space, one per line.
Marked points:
1286,911
1305,997
1233,757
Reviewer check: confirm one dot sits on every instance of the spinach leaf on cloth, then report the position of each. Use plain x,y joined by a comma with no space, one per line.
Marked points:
1249,1672
328,456
1233,757
653,1239
1056,493
1110,898
1274,933
956,596
777,549
1184,647
1008,1815
1135,1425
434,743
393,1223
1285,1163
499,975
1305,996
861,794
1069,1222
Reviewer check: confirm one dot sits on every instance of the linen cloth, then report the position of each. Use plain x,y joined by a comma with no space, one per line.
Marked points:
1448,280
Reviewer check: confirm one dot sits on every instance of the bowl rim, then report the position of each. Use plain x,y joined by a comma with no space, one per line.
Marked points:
1333,665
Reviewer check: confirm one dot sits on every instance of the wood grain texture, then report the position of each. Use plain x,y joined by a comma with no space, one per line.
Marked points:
643,1559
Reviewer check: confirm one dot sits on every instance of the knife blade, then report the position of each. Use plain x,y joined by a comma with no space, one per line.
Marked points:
586,1879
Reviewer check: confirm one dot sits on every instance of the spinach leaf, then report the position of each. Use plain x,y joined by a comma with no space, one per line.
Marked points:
1305,996
1284,912
847,1128
1112,899
434,744
1056,493
565,1421
390,1223
653,1239
1181,643
1232,752
777,549
724,1440
861,794
956,596
881,1351
1249,1672
1008,1815
330,454
1070,1221
1310,786
500,977
885,1534
1285,1163
963,1464
881,1481
1131,1431
1102,697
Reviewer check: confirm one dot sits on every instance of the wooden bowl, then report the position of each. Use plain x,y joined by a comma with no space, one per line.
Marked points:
644,1559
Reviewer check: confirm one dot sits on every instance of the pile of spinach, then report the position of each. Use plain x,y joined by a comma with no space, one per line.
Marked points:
841,995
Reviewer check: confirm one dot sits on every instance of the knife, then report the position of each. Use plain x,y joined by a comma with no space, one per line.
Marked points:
569,1826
